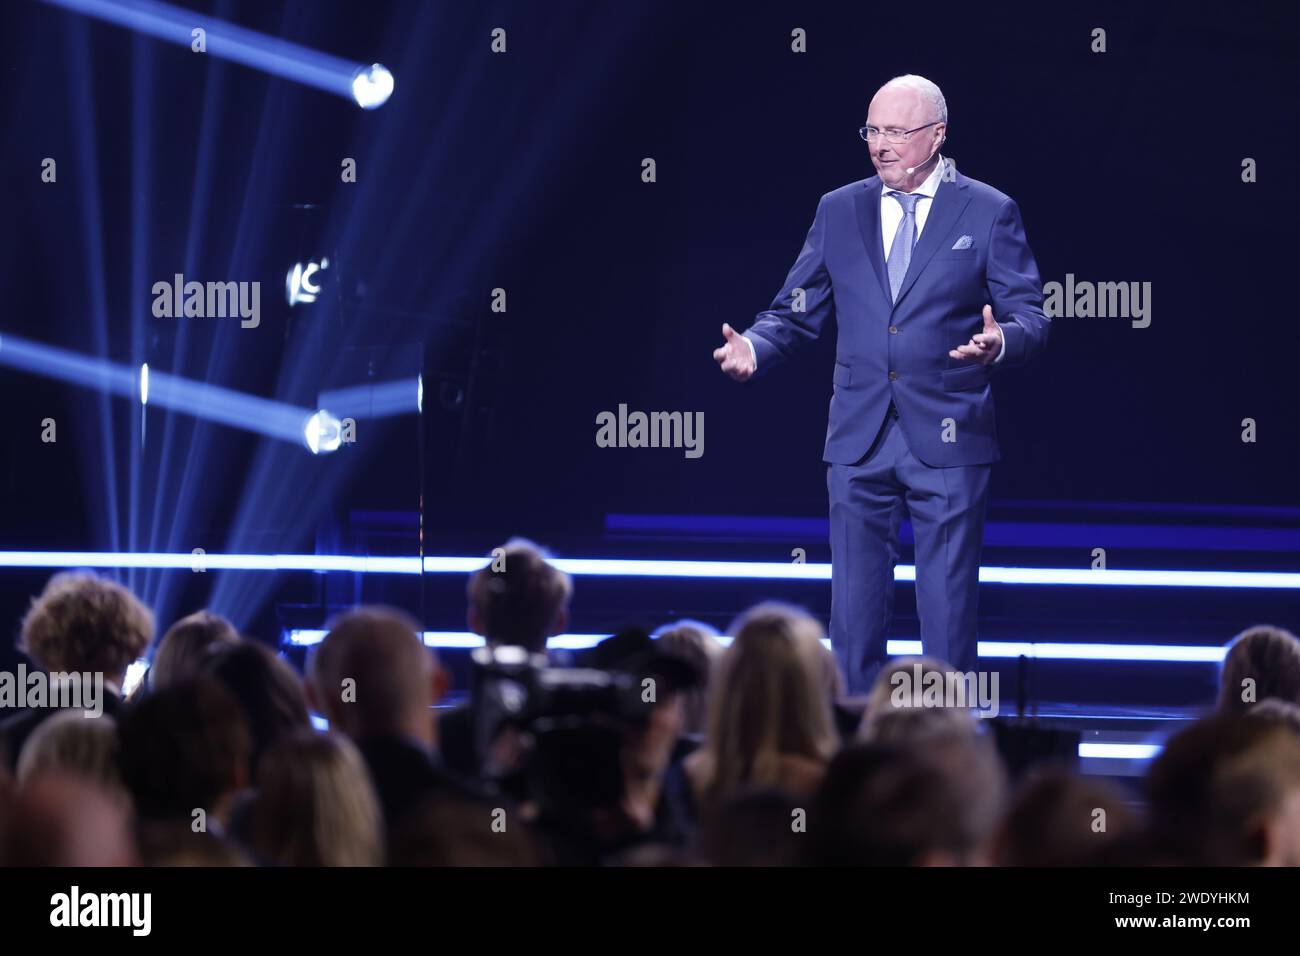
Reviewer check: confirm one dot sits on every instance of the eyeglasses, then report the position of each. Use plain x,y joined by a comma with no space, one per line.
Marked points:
895,136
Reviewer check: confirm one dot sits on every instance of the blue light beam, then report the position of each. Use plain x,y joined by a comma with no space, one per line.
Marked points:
213,403
367,85
377,400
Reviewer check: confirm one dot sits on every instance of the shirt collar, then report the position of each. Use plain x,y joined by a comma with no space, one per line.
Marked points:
930,185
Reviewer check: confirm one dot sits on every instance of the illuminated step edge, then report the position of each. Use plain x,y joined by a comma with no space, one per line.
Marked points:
189,561
1116,751
633,567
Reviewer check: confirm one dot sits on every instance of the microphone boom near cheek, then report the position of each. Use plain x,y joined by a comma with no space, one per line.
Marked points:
912,169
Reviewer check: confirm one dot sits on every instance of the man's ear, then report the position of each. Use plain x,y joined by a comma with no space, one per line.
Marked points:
475,624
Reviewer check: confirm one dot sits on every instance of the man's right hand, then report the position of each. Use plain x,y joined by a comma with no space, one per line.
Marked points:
735,356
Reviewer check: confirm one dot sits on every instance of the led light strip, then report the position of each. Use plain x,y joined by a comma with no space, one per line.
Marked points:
630,567
188,561
1119,751
1059,651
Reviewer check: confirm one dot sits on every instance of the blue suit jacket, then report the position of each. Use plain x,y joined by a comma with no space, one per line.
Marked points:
842,272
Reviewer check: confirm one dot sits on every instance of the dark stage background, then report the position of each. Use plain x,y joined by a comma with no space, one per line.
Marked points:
521,171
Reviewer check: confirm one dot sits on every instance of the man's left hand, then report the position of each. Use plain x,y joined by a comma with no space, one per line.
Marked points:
984,346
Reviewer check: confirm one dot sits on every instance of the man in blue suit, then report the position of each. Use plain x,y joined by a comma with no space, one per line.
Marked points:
909,262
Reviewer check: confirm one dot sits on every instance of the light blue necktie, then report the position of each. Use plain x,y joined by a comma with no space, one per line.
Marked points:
900,253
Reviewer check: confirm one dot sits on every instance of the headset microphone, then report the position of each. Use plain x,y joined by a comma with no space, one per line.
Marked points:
912,169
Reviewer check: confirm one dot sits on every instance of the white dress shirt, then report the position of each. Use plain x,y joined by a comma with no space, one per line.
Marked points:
891,214
891,210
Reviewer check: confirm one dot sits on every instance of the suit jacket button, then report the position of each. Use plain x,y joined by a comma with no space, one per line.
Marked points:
893,330
893,376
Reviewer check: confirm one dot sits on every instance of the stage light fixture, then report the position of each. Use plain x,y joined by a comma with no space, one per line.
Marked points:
302,283
323,433
372,86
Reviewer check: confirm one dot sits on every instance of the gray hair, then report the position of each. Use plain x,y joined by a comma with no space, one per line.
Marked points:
928,91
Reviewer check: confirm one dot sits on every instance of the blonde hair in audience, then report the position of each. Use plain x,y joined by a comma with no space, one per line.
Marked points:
70,742
315,804
769,702
883,722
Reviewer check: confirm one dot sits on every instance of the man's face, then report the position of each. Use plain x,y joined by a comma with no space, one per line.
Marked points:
898,108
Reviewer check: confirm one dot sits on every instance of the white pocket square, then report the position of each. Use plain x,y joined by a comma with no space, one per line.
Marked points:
964,242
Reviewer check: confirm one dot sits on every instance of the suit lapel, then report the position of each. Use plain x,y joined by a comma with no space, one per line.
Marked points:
949,202
867,201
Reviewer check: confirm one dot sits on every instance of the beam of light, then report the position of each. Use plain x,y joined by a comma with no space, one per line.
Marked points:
169,492
66,366
377,400
272,493
143,118
200,399
100,471
367,85
193,480
228,407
